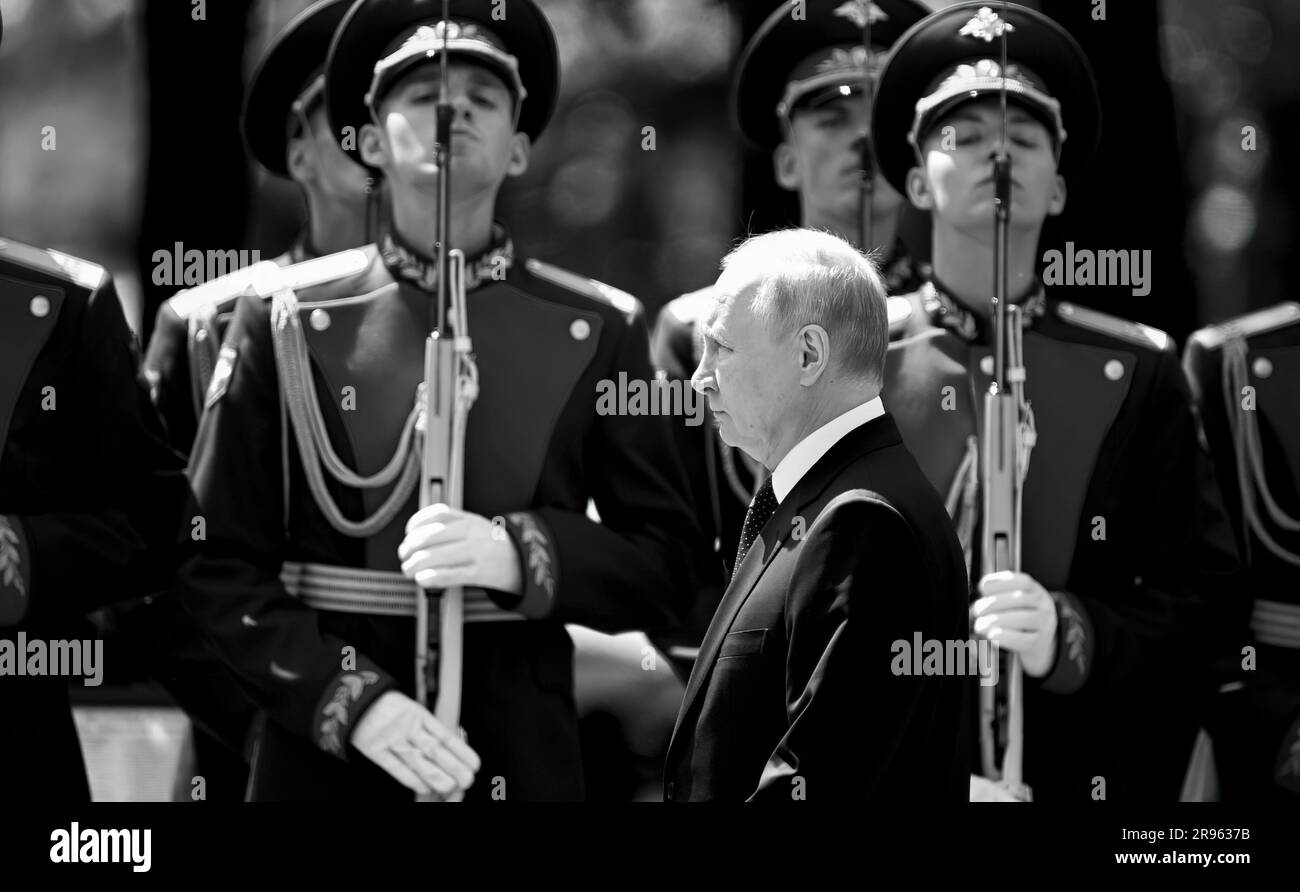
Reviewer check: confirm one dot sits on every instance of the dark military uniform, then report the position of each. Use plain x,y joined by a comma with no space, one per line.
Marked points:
1244,373
804,55
89,492
1122,521
315,391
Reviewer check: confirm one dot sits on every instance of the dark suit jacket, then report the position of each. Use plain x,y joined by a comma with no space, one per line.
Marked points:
793,694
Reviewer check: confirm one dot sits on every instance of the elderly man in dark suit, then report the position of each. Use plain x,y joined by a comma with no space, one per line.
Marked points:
847,556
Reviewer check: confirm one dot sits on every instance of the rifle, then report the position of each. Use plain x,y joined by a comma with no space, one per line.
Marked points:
450,387
1004,461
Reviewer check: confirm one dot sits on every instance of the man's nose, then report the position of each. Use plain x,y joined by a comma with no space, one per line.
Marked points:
702,380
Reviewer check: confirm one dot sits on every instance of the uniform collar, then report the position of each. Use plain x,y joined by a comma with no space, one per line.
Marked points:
946,311
406,263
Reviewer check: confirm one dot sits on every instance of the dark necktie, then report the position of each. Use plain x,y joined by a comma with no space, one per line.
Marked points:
759,513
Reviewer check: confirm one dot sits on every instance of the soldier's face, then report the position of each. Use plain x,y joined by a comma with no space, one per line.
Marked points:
485,147
750,378
956,179
821,159
317,163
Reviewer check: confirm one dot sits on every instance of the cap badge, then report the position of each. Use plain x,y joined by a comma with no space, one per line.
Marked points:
986,25
853,60
861,12
449,30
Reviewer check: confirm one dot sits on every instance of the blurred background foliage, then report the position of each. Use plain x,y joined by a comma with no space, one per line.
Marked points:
144,101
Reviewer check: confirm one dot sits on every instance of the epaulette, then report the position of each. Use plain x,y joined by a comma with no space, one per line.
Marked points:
218,291
54,263
1133,332
900,310
690,308
620,300
1259,322
267,278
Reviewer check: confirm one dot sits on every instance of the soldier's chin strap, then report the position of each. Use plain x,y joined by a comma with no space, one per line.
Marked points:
1249,452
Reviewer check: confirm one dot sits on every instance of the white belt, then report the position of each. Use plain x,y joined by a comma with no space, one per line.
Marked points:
1276,623
374,592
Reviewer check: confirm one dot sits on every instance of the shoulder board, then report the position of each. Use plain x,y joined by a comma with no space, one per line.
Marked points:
221,290
620,300
54,263
900,310
267,278
1257,323
690,308
1133,332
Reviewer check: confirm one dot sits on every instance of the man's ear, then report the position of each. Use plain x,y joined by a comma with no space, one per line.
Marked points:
918,190
521,150
814,353
785,164
372,147
1057,203
300,158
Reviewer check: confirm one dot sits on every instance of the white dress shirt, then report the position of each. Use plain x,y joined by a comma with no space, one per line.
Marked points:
799,460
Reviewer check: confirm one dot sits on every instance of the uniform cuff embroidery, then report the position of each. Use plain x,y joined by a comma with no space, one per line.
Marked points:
1074,643
534,546
15,572
345,699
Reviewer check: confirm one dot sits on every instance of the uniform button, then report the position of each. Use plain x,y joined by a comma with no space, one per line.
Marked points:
580,329
201,334
1262,367
1114,370
986,366
320,320
40,306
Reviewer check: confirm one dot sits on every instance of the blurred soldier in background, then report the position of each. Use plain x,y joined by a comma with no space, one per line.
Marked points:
1126,554
1245,373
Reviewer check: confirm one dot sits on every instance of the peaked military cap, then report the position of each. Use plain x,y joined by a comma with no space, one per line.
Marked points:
289,78
955,56
381,40
808,52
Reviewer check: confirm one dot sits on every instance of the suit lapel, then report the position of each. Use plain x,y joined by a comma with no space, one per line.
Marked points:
770,542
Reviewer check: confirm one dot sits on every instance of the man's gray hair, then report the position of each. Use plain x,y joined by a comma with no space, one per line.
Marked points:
811,277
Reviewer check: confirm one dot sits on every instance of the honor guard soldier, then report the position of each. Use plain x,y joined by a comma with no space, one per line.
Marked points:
307,460
801,92
1123,542
286,131
1245,374
89,494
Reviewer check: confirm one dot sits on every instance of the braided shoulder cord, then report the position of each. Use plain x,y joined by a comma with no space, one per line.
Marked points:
314,446
1248,451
